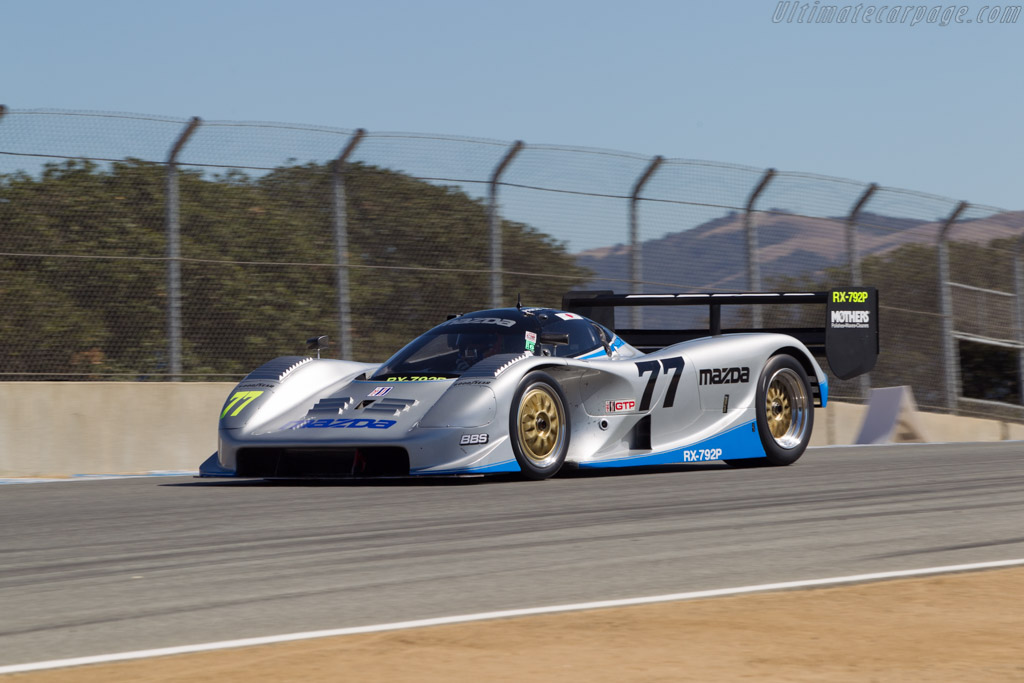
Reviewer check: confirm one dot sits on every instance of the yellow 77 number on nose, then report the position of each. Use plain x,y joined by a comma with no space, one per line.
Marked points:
242,399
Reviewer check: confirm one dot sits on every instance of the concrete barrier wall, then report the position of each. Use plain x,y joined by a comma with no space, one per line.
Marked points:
67,428
839,425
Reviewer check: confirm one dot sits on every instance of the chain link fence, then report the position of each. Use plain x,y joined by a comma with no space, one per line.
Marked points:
155,248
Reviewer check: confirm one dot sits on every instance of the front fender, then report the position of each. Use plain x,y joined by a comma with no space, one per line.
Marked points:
279,385
483,394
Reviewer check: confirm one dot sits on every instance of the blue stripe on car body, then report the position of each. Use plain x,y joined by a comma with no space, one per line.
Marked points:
738,443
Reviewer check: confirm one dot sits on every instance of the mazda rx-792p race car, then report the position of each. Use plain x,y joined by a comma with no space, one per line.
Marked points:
530,390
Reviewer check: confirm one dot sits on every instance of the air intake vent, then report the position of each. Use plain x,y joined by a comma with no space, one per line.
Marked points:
495,365
323,463
279,368
391,406
330,406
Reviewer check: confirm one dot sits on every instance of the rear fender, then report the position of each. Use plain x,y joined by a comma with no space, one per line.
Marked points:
816,376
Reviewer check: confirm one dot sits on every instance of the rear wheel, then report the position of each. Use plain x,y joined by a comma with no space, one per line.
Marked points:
539,426
785,413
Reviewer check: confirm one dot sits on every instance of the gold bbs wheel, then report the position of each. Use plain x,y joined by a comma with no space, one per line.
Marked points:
539,426
785,413
786,405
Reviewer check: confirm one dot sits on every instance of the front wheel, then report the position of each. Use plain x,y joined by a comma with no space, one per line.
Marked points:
539,426
785,413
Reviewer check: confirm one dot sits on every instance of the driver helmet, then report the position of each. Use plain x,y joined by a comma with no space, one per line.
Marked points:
475,346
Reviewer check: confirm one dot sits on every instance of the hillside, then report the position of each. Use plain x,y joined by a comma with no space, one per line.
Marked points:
712,256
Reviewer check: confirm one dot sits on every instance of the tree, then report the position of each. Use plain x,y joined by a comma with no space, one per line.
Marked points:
86,260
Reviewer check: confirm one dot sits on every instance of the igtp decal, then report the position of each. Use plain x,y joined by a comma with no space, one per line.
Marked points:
623,406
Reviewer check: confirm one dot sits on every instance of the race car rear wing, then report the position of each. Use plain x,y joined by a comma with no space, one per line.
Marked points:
848,339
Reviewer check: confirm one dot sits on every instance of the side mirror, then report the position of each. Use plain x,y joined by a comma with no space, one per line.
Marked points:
316,344
604,340
552,338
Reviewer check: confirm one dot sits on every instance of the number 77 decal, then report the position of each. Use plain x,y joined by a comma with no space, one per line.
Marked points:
652,366
246,397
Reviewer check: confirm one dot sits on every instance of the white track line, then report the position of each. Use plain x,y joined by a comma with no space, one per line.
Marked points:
503,614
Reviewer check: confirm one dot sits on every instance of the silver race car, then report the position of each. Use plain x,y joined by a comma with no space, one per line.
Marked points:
532,390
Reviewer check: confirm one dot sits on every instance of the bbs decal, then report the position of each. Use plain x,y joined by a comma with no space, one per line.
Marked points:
725,376
472,439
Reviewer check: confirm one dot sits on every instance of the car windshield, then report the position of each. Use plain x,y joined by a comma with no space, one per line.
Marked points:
450,349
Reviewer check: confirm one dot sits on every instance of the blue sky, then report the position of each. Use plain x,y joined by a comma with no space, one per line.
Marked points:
927,107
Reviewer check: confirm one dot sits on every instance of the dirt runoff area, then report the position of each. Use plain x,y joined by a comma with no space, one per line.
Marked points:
958,627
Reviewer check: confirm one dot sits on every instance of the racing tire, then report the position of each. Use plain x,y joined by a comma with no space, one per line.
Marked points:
538,426
785,413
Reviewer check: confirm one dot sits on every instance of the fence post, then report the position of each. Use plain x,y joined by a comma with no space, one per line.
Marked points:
851,235
951,369
1018,290
753,268
174,252
341,246
495,222
636,260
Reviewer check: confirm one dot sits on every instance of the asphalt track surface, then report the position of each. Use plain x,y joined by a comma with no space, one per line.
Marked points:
97,567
